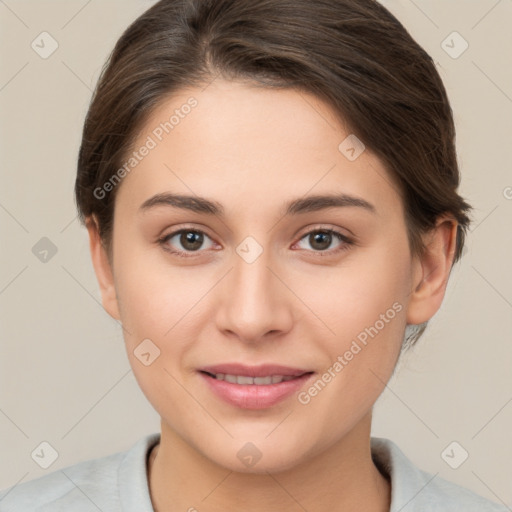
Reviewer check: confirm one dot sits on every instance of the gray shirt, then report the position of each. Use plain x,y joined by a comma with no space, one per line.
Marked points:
118,482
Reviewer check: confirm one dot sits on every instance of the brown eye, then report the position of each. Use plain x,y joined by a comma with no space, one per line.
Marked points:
191,240
320,240
185,240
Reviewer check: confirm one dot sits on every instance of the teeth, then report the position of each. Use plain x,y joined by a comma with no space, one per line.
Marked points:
264,380
258,381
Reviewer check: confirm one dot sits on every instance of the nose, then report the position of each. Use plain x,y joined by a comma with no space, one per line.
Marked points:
253,303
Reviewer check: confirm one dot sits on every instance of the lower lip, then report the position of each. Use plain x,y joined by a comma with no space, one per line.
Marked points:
252,396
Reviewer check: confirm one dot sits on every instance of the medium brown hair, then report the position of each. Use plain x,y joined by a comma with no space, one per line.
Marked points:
353,54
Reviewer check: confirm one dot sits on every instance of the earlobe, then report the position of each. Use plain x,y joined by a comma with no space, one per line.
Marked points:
102,269
432,271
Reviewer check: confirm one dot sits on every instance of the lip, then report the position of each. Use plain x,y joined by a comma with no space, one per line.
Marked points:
254,371
252,396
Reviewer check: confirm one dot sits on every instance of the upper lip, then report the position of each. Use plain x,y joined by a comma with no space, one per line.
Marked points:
262,370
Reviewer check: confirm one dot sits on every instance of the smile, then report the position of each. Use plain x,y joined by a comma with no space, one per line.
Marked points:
245,379
265,387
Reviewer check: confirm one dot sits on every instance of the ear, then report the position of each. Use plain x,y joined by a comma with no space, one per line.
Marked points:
103,269
432,270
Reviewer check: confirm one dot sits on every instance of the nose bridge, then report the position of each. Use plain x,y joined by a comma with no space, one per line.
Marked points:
253,300
252,279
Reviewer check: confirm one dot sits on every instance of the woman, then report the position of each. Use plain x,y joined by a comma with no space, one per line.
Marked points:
270,193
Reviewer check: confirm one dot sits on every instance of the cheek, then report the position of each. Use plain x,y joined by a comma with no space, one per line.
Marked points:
157,305
351,296
153,294
365,307
157,312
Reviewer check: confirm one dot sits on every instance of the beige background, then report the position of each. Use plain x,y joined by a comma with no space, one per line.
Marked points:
64,375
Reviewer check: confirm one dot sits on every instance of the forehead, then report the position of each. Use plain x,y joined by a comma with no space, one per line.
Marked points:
236,141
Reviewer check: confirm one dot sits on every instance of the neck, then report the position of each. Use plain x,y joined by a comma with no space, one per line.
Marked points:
343,477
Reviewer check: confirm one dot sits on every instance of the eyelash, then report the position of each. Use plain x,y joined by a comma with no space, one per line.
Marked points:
347,242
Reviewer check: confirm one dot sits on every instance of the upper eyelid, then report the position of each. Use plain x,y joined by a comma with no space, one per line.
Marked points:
326,227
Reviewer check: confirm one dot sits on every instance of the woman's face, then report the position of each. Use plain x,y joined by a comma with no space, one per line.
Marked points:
258,282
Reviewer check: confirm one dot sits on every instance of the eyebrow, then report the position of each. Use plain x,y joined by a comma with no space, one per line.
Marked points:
297,206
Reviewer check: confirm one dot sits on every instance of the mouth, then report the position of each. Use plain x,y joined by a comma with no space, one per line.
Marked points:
254,387
254,381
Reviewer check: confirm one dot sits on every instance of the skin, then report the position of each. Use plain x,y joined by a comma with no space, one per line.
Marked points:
252,150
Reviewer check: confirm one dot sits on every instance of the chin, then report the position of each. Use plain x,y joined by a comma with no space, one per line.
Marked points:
256,457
